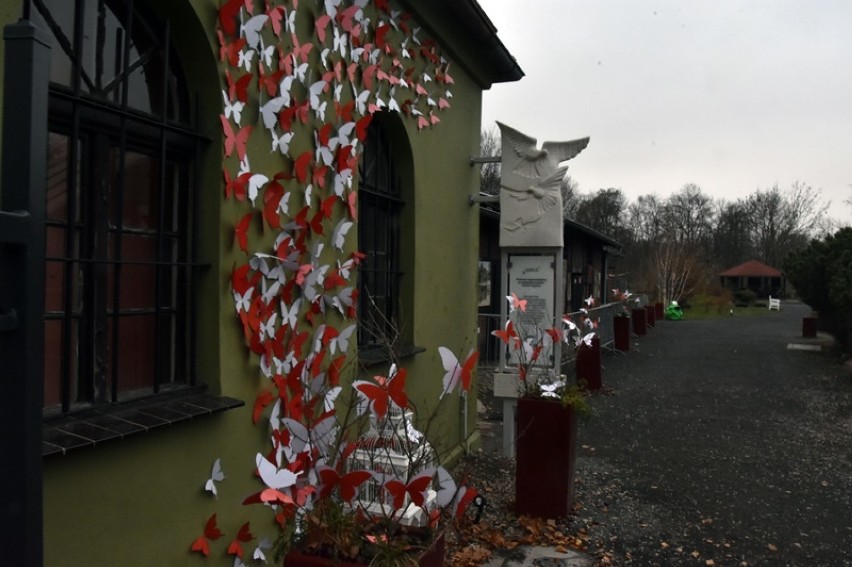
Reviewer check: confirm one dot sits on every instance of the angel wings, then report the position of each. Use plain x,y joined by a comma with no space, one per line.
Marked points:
531,179
527,160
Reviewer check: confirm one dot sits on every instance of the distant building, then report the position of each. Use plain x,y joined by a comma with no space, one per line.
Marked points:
755,276
586,257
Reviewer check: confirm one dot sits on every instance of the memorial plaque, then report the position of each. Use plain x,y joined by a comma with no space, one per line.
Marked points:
532,277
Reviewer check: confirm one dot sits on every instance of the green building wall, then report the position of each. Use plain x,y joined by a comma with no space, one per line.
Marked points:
141,501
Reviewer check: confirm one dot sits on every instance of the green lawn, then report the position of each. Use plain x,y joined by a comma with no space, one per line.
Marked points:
713,312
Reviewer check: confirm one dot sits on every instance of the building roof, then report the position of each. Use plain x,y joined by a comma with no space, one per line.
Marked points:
752,268
492,210
467,31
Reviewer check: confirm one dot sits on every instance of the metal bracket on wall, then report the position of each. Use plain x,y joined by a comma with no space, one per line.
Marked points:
485,159
483,199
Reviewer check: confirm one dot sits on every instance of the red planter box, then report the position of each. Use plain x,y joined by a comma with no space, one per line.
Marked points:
621,332
589,365
651,312
809,327
546,450
659,312
640,321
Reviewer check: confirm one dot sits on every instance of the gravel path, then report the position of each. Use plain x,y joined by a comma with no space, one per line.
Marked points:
715,446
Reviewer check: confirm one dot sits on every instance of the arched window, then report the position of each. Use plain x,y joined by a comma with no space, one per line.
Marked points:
384,236
120,200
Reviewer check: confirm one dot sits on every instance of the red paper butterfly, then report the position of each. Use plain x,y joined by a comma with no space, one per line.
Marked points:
236,545
380,393
235,141
347,484
456,373
238,89
415,489
211,533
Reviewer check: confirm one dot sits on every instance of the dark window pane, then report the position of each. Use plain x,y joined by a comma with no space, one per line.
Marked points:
136,360
140,192
111,266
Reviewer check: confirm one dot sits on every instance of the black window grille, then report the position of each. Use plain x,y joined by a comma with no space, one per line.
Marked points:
120,207
380,206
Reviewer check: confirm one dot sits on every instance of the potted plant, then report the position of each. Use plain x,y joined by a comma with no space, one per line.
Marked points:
548,405
356,482
621,320
350,477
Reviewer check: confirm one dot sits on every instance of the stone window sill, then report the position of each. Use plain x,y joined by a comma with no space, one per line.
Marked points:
116,421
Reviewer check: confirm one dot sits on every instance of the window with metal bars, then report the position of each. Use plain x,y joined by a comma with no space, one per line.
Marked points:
380,206
120,207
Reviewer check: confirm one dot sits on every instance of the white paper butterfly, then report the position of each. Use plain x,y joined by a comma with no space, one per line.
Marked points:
216,475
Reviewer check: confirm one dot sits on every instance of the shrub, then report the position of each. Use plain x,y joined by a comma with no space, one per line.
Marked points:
822,276
744,297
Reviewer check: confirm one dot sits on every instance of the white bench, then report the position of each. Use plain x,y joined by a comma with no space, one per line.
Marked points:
774,303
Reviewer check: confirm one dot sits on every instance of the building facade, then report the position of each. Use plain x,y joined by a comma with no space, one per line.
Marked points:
222,190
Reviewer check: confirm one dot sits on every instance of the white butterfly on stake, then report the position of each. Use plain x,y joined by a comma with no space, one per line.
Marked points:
272,476
447,488
320,437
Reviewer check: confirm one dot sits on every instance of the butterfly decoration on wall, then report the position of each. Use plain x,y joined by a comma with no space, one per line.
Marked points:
216,475
211,533
301,82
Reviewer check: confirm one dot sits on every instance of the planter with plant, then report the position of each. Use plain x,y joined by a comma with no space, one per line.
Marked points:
548,405
354,481
639,316
621,320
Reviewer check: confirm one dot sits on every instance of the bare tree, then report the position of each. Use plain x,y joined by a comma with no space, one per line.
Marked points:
784,221
603,211
688,215
731,234
490,146
644,218
677,272
571,197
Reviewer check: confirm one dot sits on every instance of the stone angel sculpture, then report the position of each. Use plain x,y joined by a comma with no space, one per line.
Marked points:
531,196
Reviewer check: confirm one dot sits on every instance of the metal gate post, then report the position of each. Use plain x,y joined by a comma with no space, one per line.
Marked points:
22,241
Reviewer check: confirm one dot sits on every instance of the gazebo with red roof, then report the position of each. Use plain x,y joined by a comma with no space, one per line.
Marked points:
754,275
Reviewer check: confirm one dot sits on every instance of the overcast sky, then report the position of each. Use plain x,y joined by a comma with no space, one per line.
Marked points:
732,95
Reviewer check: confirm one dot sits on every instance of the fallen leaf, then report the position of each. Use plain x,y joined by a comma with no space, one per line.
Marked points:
772,547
